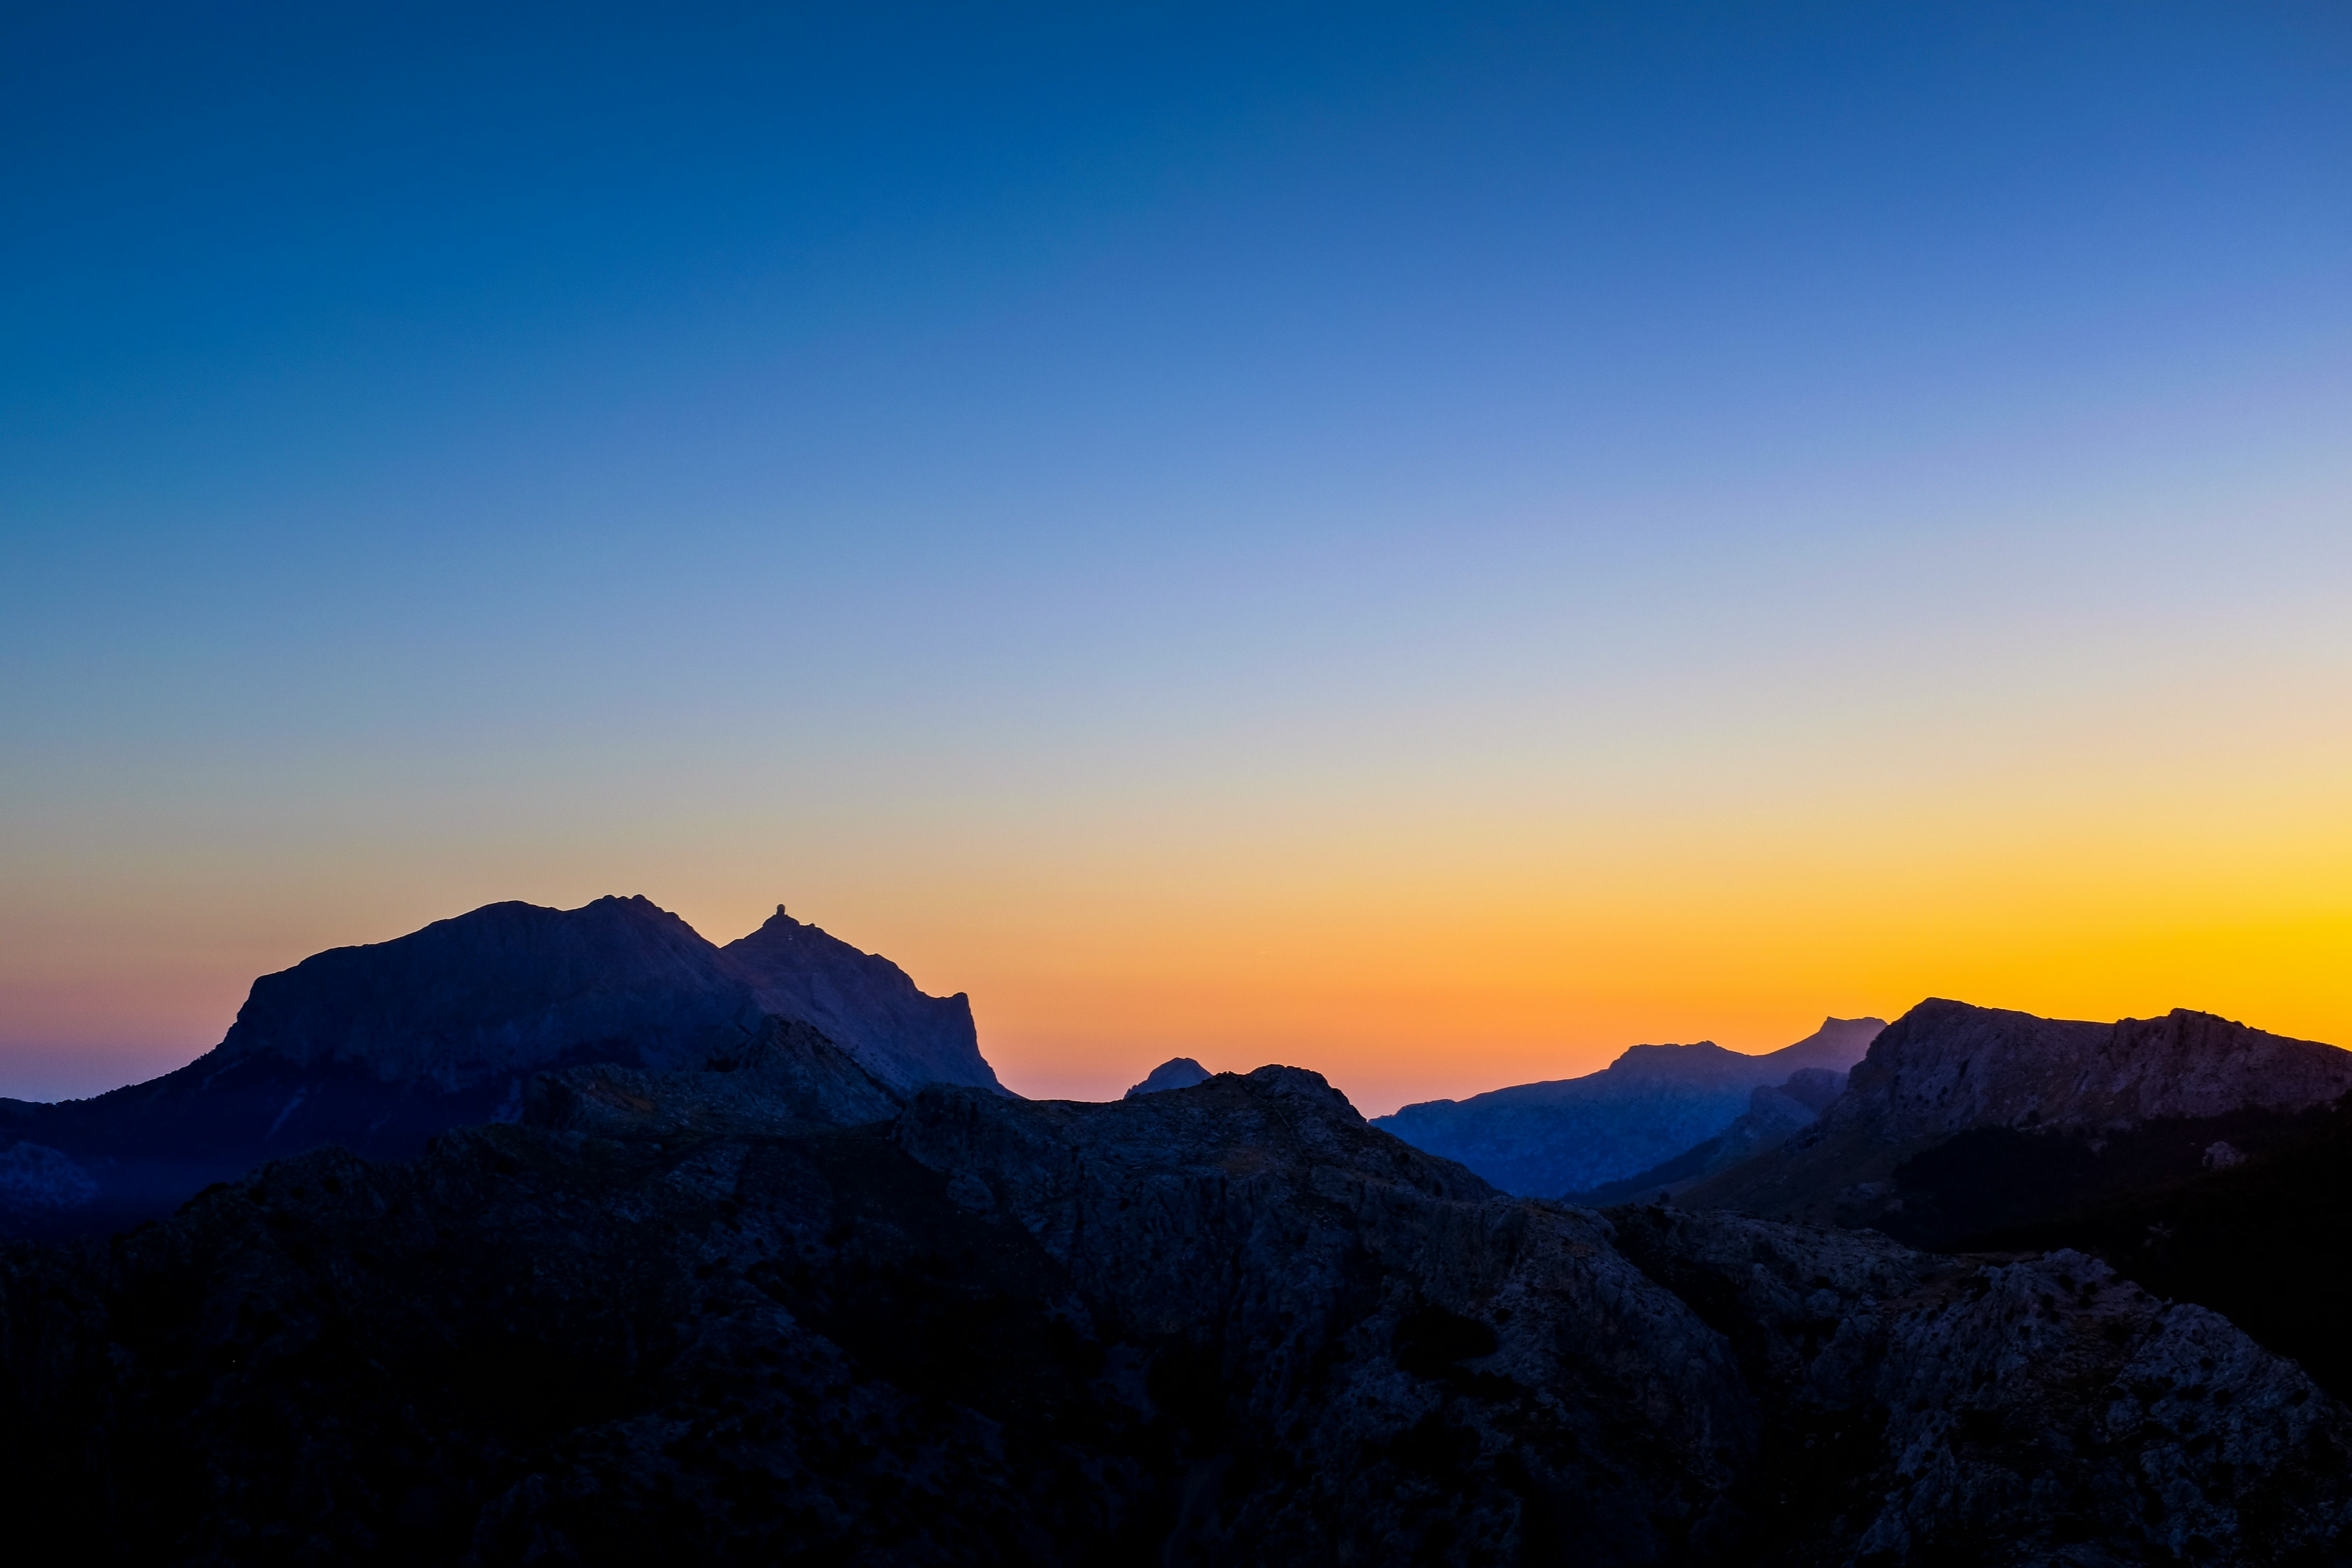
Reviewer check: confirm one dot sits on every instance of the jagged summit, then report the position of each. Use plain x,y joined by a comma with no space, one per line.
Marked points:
863,1003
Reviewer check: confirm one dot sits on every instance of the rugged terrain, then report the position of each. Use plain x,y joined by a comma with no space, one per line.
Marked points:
674,1314
1650,1105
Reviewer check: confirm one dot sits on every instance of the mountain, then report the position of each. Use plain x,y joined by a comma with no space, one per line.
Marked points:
1774,1114
377,1049
1965,1118
1177,1072
1649,1105
1227,1323
863,1003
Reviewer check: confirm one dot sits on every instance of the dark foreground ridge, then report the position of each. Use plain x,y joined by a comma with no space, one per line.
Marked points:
674,1315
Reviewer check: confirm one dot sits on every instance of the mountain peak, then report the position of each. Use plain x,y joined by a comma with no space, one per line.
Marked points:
867,1004
1176,1072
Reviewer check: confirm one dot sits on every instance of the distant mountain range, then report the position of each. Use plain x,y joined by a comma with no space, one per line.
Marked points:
378,1049
1648,1106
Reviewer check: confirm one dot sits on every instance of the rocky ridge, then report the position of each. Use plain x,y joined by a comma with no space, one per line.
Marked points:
1950,1095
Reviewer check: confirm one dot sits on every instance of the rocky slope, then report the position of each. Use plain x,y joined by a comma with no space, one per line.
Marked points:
1962,1117
377,1049
1230,1324
1648,1106
1774,1115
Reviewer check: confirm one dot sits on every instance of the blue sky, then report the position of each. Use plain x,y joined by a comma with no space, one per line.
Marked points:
990,467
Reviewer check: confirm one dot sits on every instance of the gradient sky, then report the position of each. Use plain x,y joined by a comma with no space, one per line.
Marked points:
1429,542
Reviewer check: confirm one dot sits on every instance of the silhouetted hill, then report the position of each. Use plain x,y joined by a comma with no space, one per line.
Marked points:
377,1049
1648,1106
1177,1072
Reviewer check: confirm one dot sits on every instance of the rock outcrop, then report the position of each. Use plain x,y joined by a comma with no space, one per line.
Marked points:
1648,1106
863,1003
1230,1324
1177,1072
1973,1100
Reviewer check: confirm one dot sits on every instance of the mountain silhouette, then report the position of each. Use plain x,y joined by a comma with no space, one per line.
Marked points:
379,1048
1962,1119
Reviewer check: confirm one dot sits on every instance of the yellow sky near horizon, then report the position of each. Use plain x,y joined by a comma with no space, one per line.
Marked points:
1472,955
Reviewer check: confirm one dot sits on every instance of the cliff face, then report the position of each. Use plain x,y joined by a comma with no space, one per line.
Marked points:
1651,1104
377,1049
2029,1091
1228,1323
863,1002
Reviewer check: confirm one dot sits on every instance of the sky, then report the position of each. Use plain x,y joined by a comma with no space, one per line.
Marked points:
1431,542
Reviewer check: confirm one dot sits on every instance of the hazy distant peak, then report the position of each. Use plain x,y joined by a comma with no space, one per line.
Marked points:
1650,1104
1177,1072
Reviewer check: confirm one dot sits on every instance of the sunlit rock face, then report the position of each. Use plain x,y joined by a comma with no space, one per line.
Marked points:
1651,1104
